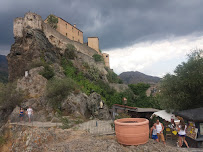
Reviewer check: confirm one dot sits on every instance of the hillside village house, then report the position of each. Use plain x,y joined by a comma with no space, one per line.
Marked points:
75,34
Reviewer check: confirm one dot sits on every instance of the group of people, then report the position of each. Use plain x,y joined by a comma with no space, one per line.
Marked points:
157,129
29,113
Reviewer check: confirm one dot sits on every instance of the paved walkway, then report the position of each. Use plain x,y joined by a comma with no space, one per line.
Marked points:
37,124
97,127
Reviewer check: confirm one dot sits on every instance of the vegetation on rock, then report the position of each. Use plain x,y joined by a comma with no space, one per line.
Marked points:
141,98
183,89
52,21
2,140
47,72
98,58
109,95
70,52
10,96
113,77
58,89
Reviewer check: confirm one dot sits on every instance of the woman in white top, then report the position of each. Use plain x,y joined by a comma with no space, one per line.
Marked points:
181,133
29,113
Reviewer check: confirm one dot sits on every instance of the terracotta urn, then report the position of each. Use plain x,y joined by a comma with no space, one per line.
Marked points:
132,131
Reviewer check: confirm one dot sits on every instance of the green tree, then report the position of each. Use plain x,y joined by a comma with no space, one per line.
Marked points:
184,89
139,89
52,21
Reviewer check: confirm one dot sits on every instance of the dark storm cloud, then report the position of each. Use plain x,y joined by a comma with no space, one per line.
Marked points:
117,23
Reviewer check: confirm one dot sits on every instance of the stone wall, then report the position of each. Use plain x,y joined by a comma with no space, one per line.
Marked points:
30,20
106,59
18,27
93,42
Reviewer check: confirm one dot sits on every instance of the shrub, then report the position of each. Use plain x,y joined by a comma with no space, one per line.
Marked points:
2,140
93,73
9,96
52,21
86,65
98,58
65,123
70,52
47,72
58,90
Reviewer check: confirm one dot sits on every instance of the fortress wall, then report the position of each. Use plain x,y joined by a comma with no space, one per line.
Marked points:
93,42
18,27
33,20
61,41
106,59
29,20
69,31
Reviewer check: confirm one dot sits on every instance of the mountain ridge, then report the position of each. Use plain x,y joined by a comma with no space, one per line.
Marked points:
3,69
134,77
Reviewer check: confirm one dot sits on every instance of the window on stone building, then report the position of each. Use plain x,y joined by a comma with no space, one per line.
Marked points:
66,34
72,29
78,32
66,26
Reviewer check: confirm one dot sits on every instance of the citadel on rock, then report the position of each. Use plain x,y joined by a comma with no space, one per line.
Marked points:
61,35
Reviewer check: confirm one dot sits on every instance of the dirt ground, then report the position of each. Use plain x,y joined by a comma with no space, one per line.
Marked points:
41,139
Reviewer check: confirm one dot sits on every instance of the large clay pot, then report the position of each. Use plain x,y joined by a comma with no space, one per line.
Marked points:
132,131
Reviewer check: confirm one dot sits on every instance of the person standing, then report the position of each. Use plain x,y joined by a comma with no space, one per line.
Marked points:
181,133
21,113
160,128
153,133
29,113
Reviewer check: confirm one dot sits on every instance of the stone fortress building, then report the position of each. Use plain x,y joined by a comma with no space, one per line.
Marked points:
68,30
75,34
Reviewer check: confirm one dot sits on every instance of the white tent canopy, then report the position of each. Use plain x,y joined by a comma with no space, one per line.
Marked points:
164,115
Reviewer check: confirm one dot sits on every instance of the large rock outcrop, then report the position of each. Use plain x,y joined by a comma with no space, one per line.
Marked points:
37,45
36,41
93,105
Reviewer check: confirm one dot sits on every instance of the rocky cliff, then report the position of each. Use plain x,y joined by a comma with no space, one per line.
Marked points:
36,40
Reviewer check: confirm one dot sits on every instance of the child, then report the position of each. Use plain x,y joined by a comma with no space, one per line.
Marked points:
21,113
153,133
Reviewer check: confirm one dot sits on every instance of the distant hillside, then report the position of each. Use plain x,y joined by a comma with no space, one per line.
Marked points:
3,69
138,77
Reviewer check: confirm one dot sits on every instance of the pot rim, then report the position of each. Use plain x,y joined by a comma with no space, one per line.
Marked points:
146,121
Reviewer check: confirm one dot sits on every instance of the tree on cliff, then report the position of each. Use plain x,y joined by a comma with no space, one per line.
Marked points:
184,89
52,20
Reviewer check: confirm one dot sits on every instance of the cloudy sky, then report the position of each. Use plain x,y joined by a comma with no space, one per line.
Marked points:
150,36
